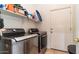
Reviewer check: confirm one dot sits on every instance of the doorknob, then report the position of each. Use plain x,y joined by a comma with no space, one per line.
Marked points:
70,29
51,29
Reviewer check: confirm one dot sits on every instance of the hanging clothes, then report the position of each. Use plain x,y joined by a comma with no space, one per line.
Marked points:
39,18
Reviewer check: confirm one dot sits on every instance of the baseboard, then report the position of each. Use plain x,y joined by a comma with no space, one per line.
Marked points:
59,50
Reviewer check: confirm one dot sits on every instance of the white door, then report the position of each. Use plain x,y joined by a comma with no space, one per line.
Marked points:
60,31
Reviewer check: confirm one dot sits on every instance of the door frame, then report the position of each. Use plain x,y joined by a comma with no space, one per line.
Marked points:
72,11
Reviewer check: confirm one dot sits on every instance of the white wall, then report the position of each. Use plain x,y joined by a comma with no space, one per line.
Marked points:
77,26
44,10
45,13
77,20
18,22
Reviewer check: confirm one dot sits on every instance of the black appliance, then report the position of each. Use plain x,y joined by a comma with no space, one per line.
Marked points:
42,39
13,32
1,23
33,31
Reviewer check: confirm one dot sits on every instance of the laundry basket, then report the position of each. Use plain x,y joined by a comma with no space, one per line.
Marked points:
72,49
